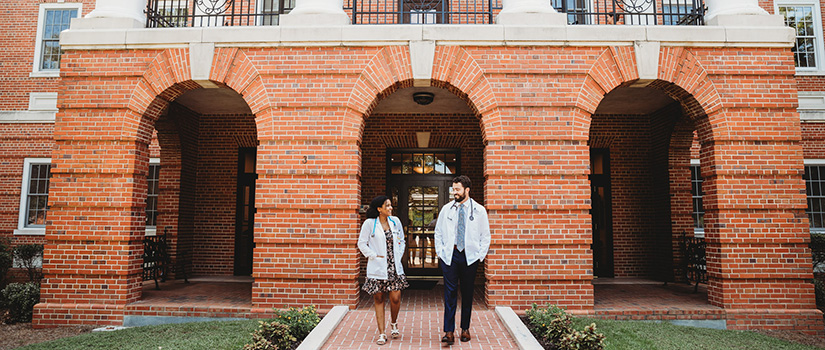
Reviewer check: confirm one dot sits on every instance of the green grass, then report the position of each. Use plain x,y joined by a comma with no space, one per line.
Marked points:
202,335
621,335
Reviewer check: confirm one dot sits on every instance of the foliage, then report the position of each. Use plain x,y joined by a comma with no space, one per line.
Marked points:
555,326
6,260
818,250
30,256
271,336
819,290
588,339
19,299
551,322
300,321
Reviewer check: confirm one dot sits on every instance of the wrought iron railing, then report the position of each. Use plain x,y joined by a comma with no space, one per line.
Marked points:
210,13
694,253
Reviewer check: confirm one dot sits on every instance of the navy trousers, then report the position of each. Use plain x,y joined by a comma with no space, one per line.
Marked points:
456,275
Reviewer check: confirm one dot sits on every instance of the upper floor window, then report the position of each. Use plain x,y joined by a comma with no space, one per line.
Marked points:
803,16
815,189
53,18
34,196
696,193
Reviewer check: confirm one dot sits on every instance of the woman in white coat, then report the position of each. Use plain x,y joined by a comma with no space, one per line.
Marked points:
382,242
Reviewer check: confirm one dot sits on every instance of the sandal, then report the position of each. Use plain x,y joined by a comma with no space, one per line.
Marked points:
394,330
382,339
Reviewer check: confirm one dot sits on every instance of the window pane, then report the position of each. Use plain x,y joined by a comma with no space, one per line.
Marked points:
815,190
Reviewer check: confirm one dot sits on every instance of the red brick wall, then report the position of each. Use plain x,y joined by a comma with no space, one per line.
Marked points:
813,140
214,236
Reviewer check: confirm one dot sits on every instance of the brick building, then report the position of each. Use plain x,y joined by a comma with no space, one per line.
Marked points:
252,139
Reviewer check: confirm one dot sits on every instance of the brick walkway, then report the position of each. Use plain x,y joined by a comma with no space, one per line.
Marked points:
420,322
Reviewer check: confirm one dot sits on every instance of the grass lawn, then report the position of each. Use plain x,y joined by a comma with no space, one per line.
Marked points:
204,335
622,335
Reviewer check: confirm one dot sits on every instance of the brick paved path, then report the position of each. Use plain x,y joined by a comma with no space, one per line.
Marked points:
420,322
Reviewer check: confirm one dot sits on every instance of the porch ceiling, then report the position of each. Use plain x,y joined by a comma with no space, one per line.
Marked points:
401,101
634,100
214,101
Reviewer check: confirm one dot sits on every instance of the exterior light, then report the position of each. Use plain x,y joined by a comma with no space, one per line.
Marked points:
423,98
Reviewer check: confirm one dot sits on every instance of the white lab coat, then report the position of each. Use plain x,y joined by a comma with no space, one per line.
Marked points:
373,243
476,233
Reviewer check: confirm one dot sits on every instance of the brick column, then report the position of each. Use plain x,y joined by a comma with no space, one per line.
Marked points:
307,220
538,197
756,230
96,222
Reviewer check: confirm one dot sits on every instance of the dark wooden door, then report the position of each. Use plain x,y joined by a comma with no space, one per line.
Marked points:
245,211
601,212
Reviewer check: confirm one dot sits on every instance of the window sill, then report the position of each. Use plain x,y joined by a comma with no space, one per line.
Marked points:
45,74
151,231
38,231
699,233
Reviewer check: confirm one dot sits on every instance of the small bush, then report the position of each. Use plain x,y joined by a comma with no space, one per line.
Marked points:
6,260
30,257
550,322
555,326
300,321
20,299
271,336
588,339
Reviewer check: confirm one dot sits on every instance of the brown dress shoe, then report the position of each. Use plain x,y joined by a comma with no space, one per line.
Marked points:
465,335
449,338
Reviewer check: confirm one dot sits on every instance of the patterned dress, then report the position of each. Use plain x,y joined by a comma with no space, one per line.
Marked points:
393,281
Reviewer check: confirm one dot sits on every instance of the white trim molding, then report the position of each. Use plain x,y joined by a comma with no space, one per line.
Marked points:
811,106
38,42
21,221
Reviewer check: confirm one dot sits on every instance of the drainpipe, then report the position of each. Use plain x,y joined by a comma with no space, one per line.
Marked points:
739,13
316,13
529,12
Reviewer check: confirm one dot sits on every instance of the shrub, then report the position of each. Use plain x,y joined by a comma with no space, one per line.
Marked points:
819,290
555,326
300,321
550,322
30,257
271,336
588,339
20,299
6,260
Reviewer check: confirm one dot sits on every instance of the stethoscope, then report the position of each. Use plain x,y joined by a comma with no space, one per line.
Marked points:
375,224
455,205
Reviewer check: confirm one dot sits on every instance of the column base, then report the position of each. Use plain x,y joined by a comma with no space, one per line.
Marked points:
106,23
314,20
532,19
47,315
746,21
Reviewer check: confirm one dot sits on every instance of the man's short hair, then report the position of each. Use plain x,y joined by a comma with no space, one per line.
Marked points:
464,180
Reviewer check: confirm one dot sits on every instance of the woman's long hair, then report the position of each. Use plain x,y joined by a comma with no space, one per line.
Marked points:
372,212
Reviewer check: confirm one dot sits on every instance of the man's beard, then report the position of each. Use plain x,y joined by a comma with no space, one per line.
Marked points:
460,198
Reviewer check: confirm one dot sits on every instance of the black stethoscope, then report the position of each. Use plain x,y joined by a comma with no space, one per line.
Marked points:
455,204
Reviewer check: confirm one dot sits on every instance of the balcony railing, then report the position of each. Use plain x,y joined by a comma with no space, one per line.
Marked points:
211,13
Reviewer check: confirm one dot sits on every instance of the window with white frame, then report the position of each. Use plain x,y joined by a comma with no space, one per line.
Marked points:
53,18
152,182
696,193
34,196
804,17
815,190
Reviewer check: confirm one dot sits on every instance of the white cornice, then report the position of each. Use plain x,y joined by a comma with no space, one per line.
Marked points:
486,35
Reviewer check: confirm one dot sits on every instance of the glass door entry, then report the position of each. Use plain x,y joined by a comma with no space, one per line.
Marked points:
417,196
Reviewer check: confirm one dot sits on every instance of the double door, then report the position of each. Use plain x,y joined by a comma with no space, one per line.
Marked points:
417,202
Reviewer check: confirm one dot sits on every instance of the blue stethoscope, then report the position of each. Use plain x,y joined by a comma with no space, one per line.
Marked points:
375,224
455,205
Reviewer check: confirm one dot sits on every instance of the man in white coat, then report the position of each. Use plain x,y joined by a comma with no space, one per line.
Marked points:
462,239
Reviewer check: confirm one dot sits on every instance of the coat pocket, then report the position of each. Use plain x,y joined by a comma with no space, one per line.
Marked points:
377,268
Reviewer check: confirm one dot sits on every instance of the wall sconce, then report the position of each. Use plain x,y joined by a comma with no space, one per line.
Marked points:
423,98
